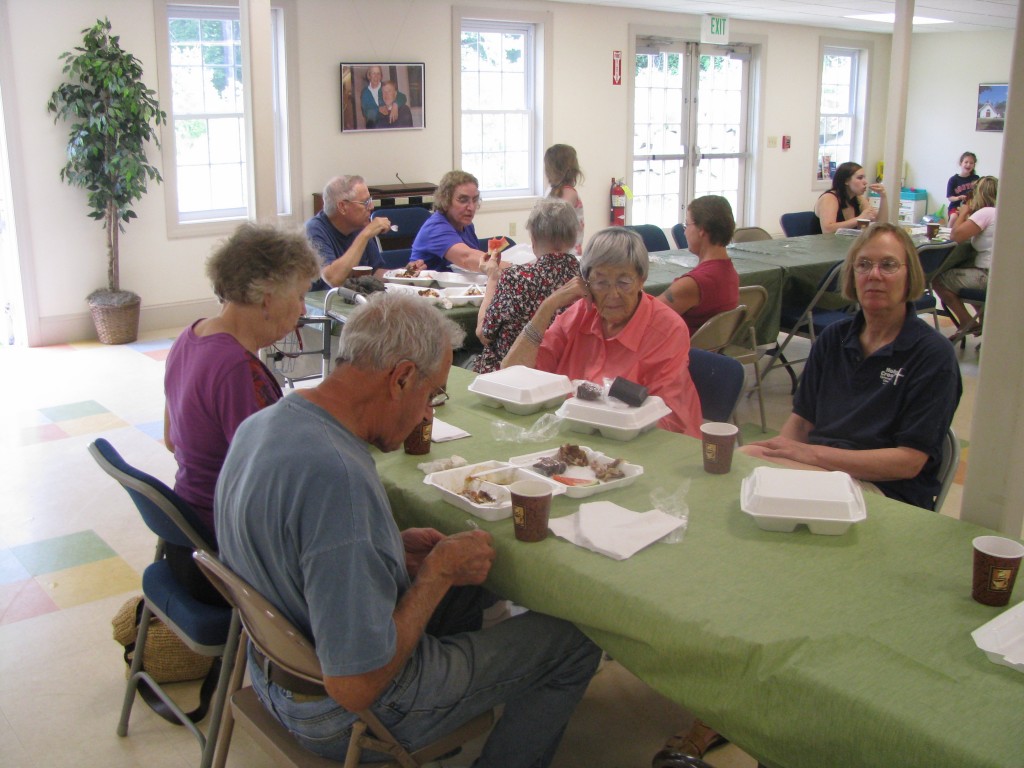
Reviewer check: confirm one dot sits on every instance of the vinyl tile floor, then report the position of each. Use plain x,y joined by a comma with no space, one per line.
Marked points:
72,548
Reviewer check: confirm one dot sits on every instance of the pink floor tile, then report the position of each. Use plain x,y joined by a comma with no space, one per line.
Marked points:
23,600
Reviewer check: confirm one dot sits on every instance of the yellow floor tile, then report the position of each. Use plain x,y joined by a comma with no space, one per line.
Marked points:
93,581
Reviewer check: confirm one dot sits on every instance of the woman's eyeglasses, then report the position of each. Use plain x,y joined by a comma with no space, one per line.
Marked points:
603,286
885,266
467,200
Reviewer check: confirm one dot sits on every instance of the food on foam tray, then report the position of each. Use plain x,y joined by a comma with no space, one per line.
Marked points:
474,291
609,471
588,391
409,271
478,496
430,293
550,465
573,454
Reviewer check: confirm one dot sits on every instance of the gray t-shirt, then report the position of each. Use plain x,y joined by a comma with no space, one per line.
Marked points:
302,516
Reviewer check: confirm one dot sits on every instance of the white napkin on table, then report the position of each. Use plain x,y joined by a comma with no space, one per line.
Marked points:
442,432
613,531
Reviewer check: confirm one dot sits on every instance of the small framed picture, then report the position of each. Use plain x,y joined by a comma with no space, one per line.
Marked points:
991,106
382,97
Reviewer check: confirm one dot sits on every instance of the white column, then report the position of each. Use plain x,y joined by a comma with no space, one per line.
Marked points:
257,62
896,109
994,488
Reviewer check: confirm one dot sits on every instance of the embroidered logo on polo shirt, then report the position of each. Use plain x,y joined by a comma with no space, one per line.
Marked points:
891,376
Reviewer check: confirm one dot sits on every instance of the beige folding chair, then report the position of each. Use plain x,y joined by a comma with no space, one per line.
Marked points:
719,330
750,234
289,651
743,347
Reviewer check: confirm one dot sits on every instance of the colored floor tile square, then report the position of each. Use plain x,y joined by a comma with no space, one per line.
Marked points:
62,552
21,600
158,354
40,434
90,582
88,425
73,410
11,569
151,344
154,429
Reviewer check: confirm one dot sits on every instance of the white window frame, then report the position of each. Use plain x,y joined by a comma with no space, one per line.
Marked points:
858,101
286,135
540,88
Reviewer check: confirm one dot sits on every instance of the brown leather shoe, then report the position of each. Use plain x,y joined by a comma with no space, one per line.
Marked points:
694,743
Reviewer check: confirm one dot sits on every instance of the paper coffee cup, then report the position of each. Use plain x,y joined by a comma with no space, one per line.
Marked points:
418,441
361,271
932,230
996,563
531,507
718,443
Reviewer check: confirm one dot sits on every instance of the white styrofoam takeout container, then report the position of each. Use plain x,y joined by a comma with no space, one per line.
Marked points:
491,476
459,278
425,278
612,418
631,472
781,499
521,390
460,296
1002,639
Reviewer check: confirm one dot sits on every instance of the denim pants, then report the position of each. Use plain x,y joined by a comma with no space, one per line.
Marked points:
536,665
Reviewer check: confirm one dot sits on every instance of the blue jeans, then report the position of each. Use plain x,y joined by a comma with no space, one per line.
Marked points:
536,665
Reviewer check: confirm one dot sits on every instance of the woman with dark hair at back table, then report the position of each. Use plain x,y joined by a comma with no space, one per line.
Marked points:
846,203
713,285
214,379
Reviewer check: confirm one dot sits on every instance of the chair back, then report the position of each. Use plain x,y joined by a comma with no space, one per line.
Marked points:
719,382
933,256
754,298
719,330
408,220
679,235
750,234
276,637
168,515
653,236
396,258
800,223
947,466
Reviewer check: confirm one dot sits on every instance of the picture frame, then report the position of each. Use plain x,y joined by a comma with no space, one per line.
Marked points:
361,108
991,110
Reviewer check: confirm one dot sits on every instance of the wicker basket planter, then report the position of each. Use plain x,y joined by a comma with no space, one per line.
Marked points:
116,324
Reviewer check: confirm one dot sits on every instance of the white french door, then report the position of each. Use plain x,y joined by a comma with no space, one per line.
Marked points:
690,134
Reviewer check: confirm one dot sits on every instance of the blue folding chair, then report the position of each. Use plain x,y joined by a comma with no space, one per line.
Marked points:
407,219
719,381
800,223
932,256
679,235
653,236
209,630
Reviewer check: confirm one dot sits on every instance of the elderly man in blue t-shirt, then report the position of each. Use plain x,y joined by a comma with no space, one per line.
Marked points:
343,234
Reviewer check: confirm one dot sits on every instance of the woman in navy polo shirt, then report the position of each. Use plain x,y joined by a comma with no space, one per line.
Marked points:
879,390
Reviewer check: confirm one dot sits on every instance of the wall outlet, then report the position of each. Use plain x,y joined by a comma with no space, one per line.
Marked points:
512,229
773,142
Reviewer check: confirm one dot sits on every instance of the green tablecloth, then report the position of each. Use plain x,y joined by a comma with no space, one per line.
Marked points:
805,650
804,261
666,266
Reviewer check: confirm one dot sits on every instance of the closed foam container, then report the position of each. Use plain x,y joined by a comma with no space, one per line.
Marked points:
1002,639
613,419
631,472
491,476
521,390
781,499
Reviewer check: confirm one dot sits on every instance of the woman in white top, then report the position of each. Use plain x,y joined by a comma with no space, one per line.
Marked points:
977,223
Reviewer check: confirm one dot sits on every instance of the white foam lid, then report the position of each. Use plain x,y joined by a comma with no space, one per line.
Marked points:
519,384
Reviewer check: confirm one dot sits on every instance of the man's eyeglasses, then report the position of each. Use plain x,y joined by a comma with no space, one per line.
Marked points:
885,266
439,398
466,200
367,203
603,286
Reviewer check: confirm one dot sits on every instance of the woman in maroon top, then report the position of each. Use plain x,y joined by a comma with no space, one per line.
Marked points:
713,285
513,294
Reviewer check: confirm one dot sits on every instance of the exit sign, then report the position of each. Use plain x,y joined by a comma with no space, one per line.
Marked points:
714,29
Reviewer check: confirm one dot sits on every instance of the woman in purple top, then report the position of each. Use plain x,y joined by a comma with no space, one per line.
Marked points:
214,379
448,236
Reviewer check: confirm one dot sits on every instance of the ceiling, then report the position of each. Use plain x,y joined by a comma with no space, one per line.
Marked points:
965,15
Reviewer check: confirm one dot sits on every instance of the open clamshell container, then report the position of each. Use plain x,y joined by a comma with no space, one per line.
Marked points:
1002,639
781,499
613,419
464,295
630,471
459,278
491,477
424,278
521,390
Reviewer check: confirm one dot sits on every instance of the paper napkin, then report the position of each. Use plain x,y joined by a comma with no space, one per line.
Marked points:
614,531
442,432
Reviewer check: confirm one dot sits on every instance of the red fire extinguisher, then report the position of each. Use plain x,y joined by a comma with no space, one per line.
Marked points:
618,217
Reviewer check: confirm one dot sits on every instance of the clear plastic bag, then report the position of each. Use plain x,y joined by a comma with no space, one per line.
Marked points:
543,429
673,503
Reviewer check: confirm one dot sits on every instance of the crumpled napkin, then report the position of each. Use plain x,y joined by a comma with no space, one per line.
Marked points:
442,432
613,531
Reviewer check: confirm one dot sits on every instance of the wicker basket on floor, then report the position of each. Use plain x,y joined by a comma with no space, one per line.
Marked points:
116,324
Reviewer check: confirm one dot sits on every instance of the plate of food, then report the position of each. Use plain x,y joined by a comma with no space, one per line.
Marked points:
464,295
582,470
410,276
482,489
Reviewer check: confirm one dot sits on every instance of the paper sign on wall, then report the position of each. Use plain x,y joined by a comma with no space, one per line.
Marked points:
714,29
616,67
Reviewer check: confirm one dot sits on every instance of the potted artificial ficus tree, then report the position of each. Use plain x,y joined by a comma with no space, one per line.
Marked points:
113,115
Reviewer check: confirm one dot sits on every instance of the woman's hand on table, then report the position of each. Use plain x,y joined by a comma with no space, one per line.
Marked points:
786,449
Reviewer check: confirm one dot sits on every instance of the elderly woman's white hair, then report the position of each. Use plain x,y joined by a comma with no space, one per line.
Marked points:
553,221
615,247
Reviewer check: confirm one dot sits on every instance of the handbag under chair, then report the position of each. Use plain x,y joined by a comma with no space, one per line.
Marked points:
291,657
209,630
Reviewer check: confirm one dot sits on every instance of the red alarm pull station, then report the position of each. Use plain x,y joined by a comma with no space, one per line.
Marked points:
785,142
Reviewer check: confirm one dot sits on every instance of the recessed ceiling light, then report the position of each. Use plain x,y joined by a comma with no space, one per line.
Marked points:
890,18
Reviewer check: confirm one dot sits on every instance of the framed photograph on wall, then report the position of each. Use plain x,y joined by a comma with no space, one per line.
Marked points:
381,96
991,106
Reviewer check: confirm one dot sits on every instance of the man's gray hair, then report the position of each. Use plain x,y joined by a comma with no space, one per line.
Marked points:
554,222
615,247
392,327
338,189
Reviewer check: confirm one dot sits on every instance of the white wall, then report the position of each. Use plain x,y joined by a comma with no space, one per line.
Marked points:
941,114
65,248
